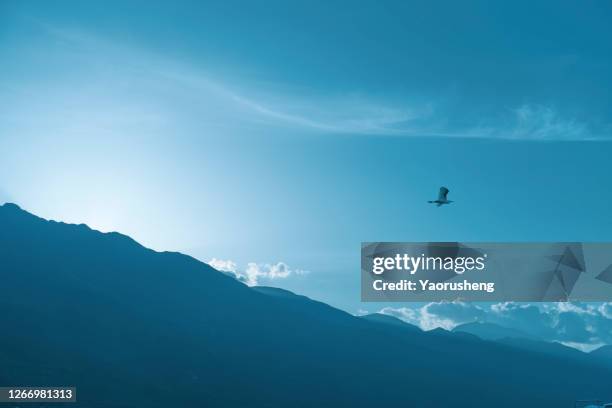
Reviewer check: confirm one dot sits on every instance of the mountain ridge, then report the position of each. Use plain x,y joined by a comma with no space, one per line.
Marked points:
130,326
491,331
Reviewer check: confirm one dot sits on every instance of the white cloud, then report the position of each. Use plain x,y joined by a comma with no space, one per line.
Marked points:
606,309
223,265
580,325
445,315
255,272
587,348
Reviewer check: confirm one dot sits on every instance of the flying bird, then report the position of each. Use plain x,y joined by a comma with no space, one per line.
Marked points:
441,197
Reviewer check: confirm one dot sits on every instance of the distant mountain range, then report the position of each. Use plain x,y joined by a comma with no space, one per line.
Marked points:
131,327
490,331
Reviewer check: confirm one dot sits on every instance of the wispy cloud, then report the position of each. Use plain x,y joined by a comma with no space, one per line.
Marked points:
340,114
544,123
182,92
221,101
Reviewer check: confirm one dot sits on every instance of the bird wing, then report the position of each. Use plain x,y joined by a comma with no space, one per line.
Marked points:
443,193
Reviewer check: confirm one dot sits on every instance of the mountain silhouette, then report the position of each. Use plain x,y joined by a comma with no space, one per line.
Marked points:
603,353
491,331
390,320
132,327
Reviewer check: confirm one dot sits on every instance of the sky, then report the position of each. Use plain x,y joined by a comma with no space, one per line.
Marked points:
271,138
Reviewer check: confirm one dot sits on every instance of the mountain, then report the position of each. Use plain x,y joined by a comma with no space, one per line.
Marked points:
490,331
603,353
518,339
131,327
389,320
554,349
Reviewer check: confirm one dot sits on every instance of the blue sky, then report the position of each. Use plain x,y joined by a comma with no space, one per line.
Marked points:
276,137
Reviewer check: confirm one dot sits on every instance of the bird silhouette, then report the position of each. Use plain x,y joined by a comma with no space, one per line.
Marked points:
441,197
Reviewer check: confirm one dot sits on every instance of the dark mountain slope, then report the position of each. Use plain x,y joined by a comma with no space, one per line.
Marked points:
133,327
603,353
389,320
